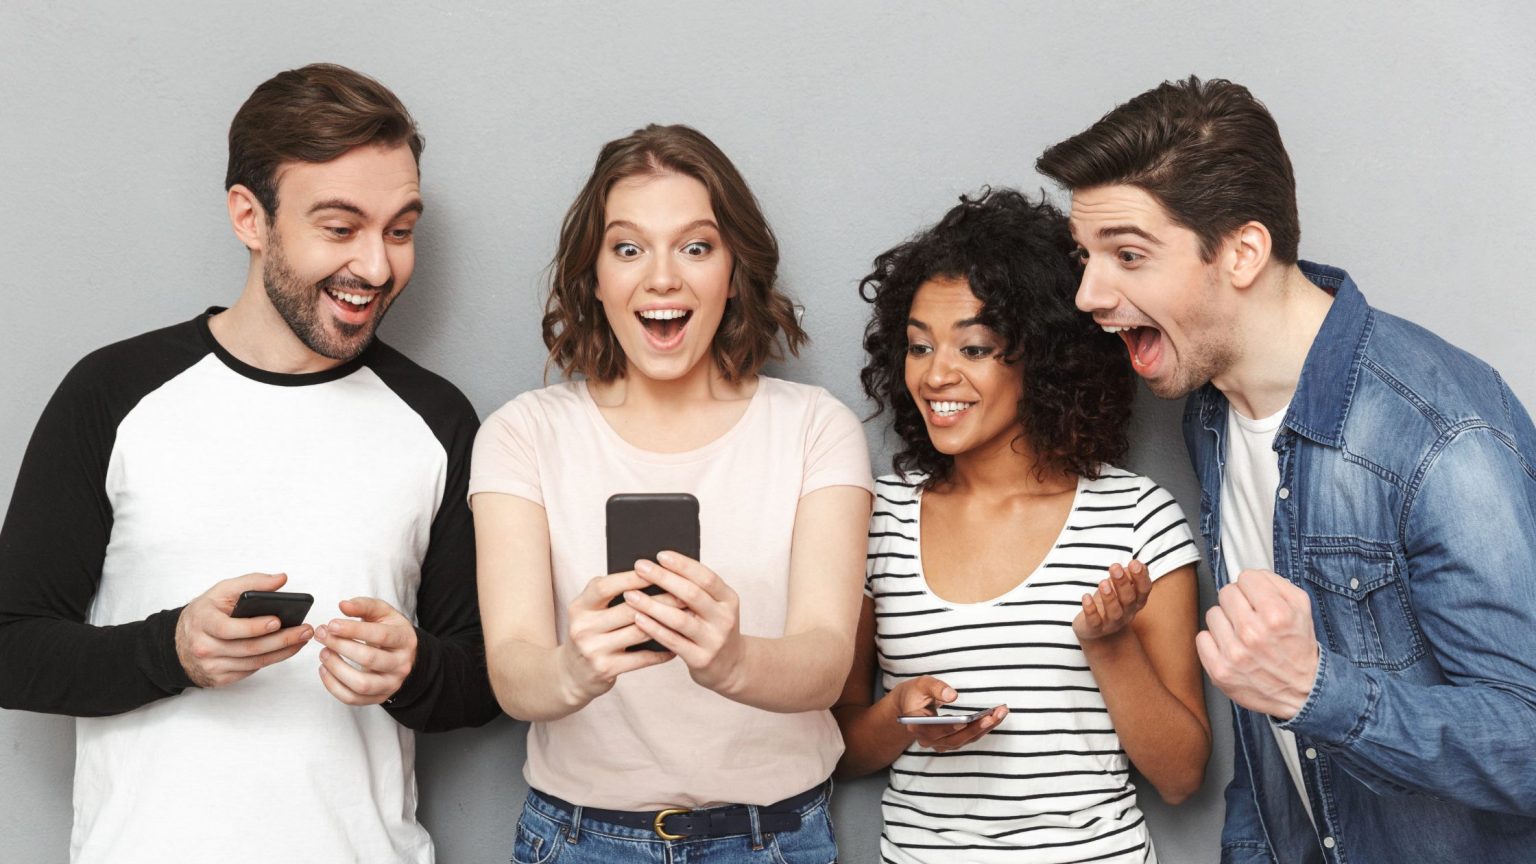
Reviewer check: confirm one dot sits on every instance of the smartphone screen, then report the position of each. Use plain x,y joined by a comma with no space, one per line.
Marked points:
641,525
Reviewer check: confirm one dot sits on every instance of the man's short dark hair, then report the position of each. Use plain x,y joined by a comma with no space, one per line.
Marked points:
312,114
1209,153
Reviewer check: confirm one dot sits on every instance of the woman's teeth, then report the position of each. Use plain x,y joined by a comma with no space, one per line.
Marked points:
662,314
948,409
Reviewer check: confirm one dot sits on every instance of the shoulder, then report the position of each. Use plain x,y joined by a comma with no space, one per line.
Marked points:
115,377
900,489
808,406
552,404
429,394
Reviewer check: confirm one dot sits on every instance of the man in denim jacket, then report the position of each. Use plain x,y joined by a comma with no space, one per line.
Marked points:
1368,496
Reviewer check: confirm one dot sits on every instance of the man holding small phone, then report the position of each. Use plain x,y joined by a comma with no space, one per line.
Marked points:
275,439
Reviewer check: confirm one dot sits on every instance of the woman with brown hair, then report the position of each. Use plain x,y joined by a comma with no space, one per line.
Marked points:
664,301
1044,598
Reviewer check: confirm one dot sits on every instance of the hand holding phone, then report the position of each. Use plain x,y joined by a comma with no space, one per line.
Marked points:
916,696
217,649
640,526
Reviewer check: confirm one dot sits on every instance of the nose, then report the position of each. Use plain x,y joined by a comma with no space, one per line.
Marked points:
1094,293
662,278
371,263
941,371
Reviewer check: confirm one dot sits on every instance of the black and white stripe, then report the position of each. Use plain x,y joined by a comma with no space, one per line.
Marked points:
1051,783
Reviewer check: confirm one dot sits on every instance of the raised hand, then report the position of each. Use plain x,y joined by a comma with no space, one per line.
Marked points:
1110,609
1260,648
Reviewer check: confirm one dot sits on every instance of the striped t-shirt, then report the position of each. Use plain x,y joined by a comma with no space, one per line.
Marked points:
1051,783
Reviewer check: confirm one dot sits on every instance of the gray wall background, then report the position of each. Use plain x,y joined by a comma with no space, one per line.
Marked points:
856,123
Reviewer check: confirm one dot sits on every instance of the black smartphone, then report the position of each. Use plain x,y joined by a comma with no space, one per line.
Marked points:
290,607
640,525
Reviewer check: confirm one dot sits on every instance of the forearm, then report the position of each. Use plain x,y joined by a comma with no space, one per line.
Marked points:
872,739
529,682
1163,738
1469,743
448,686
790,674
58,666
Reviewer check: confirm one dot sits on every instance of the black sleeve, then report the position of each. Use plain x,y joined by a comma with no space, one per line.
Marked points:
449,686
54,541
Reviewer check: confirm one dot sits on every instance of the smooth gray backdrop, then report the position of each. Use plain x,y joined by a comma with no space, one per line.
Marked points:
856,123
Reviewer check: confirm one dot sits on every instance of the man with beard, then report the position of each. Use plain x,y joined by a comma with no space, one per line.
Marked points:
1368,498
273,444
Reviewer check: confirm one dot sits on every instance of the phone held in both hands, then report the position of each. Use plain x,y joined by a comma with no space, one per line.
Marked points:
290,607
640,525
943,719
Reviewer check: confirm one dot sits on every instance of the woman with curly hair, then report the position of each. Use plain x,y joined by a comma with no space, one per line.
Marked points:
1013,570
716,743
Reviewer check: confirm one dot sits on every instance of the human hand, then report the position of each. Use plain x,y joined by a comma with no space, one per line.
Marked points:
705,631
1110,609
924,695
217,650
1260,648
595,652
382,644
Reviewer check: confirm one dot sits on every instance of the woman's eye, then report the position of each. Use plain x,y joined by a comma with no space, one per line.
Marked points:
697,249
1126,256
1079,255
917,349
626,250
977,352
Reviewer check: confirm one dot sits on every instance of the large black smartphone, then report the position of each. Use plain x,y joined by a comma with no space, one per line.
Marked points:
290,607
640,525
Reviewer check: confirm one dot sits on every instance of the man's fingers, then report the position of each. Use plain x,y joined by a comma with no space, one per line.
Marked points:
358,681
226,593
369,609
222,627
380,635
364,655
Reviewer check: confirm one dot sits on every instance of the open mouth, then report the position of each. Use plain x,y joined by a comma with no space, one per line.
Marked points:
1144,343
349,301
664,326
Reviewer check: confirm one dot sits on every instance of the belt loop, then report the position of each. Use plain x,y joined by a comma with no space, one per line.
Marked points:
575,834
757,828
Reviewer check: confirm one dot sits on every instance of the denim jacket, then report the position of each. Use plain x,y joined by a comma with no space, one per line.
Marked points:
1407,512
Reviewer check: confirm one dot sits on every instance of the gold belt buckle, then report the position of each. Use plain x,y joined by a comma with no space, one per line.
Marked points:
660,817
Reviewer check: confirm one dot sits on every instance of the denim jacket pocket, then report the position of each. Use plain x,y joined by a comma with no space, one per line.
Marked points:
1362,601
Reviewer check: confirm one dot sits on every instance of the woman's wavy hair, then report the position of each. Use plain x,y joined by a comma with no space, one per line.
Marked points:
576,331
1016,255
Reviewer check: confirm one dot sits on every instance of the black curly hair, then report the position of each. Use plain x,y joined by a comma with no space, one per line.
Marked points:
1016,255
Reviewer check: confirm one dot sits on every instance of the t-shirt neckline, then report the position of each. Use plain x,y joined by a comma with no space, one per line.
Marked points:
280,379
1024,583
695,455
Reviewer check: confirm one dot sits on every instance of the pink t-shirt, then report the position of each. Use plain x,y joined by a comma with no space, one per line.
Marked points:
657,739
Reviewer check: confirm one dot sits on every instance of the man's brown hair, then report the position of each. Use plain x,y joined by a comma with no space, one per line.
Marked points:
312,114
575,329
1209,153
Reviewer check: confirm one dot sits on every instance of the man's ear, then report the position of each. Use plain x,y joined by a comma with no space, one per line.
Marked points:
248,218
1247,255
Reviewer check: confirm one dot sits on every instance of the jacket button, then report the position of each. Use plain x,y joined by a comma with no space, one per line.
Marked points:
1353,584
1311,753
1284,493
1328,842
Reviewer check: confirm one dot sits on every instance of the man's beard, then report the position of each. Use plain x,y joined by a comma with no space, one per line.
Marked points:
299,302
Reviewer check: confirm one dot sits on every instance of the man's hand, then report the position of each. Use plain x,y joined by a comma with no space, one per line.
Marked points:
217,650
1110,609
381,644
1260,648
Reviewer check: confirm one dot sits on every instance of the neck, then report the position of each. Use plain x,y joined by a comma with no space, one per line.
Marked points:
1003,469
1278,323
703,383
254,332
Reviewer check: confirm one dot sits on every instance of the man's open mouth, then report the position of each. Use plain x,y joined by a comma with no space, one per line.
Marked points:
351,301
1144,343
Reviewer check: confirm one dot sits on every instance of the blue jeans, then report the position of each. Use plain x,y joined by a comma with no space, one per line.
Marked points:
547,833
